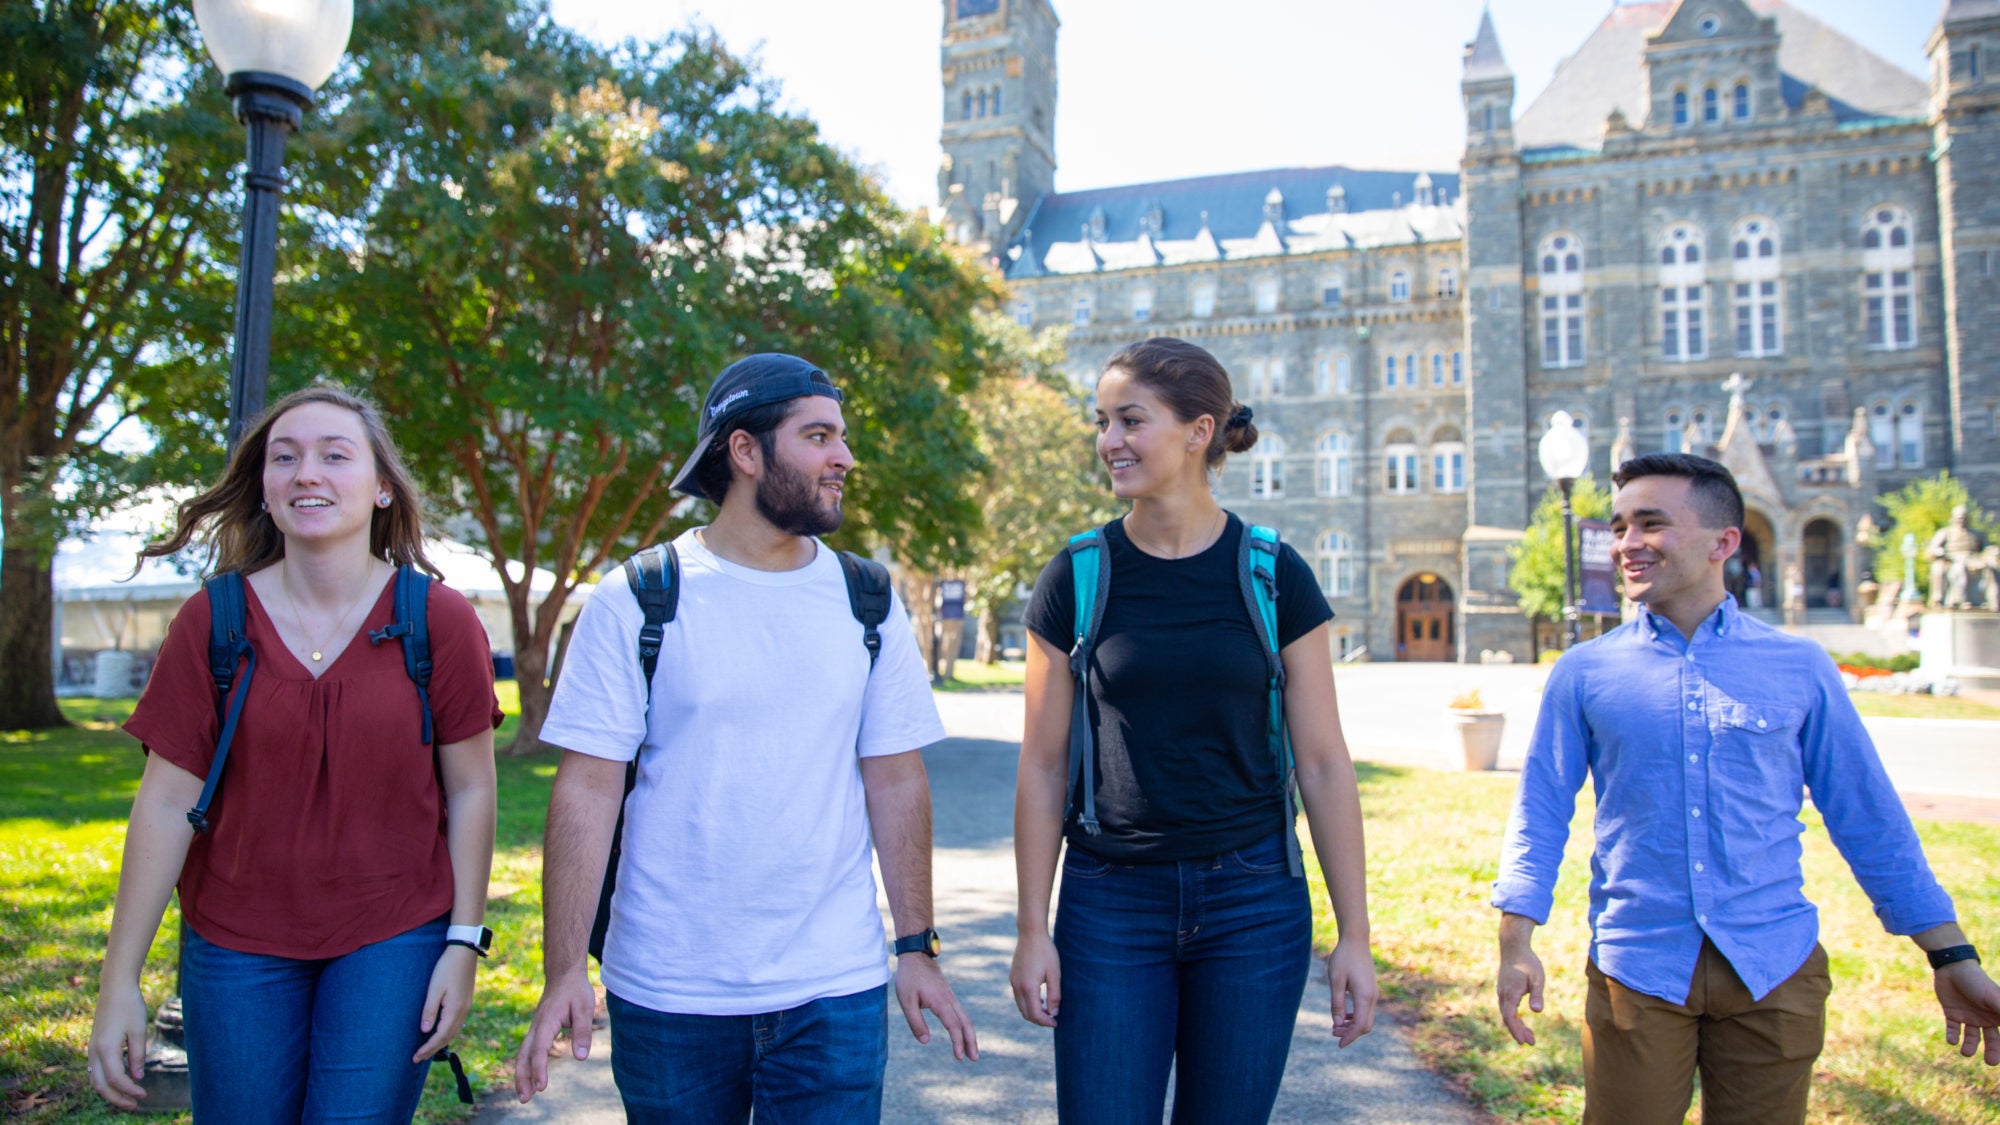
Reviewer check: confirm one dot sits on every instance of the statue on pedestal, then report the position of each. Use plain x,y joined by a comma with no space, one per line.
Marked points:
1960,572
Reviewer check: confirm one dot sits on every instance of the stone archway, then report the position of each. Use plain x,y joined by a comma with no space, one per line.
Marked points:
1751,573
1424,621
1821,547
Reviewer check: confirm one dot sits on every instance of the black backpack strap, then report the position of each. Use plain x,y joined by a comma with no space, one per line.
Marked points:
868,598
654,575
410,624
228,643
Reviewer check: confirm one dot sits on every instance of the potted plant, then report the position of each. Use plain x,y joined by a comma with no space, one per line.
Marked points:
1478,730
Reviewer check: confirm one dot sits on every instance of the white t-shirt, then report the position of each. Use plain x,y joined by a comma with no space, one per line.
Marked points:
746,884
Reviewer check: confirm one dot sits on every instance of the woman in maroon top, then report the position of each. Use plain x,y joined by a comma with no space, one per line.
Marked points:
317,974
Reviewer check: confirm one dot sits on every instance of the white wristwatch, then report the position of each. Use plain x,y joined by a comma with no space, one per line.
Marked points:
479,939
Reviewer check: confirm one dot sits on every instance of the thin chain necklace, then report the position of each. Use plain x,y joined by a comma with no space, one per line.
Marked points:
1206,541
318,646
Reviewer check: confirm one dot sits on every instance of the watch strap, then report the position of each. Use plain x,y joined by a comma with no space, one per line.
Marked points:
479,939
926,942
1951,955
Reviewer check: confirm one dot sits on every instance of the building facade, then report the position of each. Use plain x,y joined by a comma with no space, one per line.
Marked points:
1723,228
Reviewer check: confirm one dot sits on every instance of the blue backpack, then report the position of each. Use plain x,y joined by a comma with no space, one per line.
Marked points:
1257,574
229,645
654,575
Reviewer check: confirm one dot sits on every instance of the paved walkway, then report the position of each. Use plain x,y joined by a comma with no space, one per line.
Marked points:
1393,714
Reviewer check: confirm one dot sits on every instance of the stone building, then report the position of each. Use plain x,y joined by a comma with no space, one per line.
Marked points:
1723,228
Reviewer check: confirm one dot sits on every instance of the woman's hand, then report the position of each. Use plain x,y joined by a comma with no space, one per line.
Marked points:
1037,979
449,999
116,1059
1350,971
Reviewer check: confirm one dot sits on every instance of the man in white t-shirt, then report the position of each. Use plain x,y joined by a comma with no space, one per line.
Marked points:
743,962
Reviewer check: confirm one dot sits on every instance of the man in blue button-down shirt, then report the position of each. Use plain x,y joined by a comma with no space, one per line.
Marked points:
1699,727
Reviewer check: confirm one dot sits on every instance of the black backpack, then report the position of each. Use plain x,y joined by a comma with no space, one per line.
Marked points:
655,577
228,645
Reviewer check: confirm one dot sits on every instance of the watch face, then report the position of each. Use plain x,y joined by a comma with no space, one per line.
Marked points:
932,943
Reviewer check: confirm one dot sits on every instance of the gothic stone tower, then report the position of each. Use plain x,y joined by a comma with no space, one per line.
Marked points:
999,68
1965,95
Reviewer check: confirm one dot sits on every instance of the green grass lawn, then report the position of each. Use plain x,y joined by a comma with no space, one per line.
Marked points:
64,799
1433,852
971,675
1920,706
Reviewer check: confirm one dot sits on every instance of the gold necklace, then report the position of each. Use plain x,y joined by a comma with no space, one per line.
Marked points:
318,647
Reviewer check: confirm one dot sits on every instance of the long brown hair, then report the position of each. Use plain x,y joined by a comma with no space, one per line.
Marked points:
1192,383
230,517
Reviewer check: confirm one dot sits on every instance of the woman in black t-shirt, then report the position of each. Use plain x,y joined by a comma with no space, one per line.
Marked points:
1183,940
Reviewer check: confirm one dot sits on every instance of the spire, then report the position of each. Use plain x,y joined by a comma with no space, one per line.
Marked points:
1483,59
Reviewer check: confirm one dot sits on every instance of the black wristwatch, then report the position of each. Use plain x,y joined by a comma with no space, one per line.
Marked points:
926,943
479,939
1951,955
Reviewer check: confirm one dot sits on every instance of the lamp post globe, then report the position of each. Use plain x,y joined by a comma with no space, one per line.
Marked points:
273,55
1565,454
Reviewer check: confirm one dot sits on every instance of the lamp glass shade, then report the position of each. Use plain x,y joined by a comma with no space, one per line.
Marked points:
299,39
1565,452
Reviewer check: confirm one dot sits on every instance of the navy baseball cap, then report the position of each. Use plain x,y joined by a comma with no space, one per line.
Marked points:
750,382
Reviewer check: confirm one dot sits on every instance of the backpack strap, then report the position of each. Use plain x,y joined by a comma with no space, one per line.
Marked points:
868,598
1257,574
654,575
410,624
1090,571
228,643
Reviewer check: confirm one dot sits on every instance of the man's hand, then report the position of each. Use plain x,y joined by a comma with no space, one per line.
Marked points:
1037,979
1350,971
567,1001
920,984
1520,974
1971,1003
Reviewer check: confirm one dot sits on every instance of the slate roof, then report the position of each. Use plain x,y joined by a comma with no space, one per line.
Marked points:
1223,218
1482,56
1609,71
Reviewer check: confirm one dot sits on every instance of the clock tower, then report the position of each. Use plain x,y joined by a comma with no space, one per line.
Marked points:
998,63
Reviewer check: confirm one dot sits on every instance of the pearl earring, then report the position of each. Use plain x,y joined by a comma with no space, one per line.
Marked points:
382,501
263,506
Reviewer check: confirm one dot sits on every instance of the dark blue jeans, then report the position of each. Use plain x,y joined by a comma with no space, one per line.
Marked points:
1198,965
817,1064
281,1041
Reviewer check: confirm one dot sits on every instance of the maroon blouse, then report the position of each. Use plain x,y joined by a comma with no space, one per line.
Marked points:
329,823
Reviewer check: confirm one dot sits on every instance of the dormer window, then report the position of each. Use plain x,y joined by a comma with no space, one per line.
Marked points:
1329,291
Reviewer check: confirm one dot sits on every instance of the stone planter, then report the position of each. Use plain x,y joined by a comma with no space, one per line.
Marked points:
1479,737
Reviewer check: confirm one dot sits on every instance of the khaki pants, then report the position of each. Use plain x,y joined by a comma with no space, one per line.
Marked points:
1756,1057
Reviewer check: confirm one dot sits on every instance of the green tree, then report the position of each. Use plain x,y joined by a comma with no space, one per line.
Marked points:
563,248
117,202
1043,482
1537,571
1919,509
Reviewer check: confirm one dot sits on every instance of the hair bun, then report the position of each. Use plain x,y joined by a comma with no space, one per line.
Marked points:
1239,433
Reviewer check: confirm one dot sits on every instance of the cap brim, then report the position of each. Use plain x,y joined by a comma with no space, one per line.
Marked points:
686,481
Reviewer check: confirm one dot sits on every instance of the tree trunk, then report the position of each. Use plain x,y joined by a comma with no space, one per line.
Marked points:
27,621
531,674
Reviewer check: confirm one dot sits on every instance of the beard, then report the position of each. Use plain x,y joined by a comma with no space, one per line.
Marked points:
789,499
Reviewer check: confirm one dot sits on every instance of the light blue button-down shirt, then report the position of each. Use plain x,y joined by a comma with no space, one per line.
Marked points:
1698,751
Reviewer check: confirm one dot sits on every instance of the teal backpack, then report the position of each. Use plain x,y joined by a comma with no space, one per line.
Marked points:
1257,574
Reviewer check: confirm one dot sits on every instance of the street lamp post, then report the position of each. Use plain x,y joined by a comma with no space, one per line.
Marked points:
1565,454
274,54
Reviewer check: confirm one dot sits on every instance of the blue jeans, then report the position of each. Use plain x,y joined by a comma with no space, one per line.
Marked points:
1198,965
283,1041
817,1064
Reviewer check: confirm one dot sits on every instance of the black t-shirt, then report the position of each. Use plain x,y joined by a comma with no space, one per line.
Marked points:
1178,697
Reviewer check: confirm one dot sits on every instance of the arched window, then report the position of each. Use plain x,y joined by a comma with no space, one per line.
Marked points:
968,106
1409,369
982,103
1680,107
1711,106
996,101
1673,430
1343,374
1201,299
1458,369
1332,374
1081,317
1447,461
1399,463
1399,286
1333,469
1267,467
1336,564
1437,369
1882,434
1266,295
1757,287
1562,300
1742,99
1910,436
1888,279
1276,374
1683,285
1447,283
1389,372
1254,374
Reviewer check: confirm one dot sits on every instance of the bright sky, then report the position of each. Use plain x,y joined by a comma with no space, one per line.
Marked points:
1173,88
